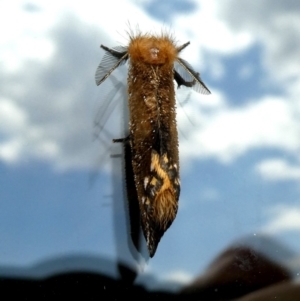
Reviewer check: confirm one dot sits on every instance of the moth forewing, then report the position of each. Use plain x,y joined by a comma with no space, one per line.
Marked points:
185,70
112,59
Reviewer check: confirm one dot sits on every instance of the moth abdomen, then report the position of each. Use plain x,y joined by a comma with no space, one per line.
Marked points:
162,189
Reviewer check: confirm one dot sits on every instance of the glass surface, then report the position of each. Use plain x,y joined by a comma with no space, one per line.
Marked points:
63,203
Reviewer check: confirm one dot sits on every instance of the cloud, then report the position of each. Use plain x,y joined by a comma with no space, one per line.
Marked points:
44,107
272,24
210,37
50,86
24,37
282,218
226,133
268,121
278,170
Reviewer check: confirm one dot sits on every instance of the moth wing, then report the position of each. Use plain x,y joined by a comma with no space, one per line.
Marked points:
112,59
189,75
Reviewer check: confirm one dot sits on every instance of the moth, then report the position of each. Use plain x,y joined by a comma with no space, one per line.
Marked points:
154,64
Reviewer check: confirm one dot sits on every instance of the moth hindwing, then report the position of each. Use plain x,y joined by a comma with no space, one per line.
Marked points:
153,65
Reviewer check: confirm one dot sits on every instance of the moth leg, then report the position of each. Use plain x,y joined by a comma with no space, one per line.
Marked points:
113,52
122,140
181,82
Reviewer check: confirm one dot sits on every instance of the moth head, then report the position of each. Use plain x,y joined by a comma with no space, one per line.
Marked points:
152,50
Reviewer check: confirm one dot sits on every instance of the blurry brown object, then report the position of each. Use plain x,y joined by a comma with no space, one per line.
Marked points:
287,291
235,273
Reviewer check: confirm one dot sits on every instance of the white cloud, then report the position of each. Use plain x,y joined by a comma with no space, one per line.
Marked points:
268,122
10,151
271,23
19,137
24,36
278,170
207,32
12,117
227,133
282,218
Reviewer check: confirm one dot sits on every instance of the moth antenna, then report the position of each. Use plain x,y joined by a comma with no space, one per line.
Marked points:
113,52
199,85
112,59
180,48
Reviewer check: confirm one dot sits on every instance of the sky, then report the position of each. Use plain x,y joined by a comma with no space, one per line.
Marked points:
61,178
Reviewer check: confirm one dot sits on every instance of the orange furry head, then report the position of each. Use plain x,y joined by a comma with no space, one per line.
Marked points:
153,50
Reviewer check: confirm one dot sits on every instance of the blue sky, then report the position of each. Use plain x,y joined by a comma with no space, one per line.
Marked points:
61,192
